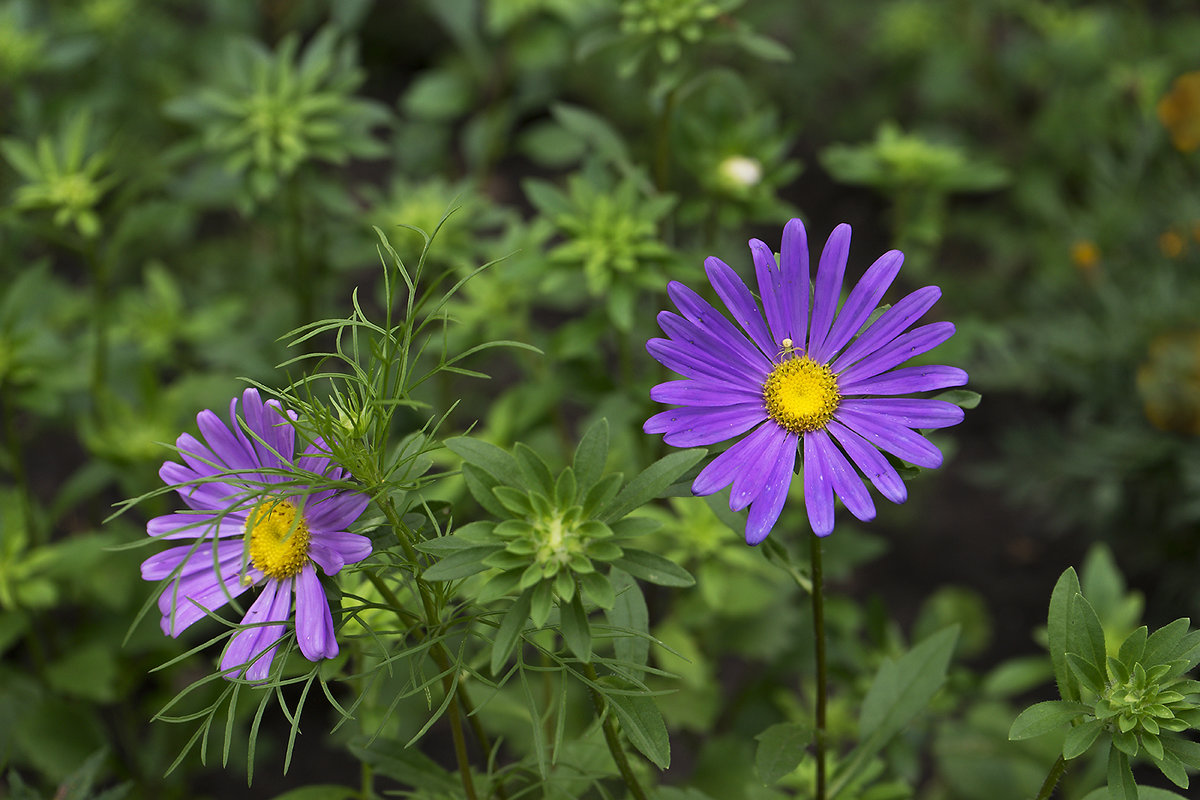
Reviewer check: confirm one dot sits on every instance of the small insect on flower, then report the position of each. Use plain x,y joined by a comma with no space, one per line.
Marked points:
257,519
826,387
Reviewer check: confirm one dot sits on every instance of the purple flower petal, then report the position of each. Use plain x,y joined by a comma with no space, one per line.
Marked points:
703,393
846,482
818,489
259,642
314,623
828,289
226,447
185,601
793,259
691,427
895,439
740,302
337,513
871,462
329,559
902,348
693,363
907,380
686,333
863,300
194,558
695,309
890,324
766,508
911,413
775,301
352,547
195,526
721,471
749,482
199,494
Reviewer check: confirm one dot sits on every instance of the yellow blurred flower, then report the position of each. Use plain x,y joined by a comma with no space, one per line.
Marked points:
1169,382
1085,255
1171,243
1179,112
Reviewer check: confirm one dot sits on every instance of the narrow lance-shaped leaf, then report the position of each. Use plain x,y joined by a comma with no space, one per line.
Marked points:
1056,630
651,482
590,455
510,629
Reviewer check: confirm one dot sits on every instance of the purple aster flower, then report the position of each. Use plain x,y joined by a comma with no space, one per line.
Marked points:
267,527
806,378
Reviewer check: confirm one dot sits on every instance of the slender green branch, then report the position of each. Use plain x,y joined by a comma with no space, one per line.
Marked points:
438,651
818,604
1052,778
613,739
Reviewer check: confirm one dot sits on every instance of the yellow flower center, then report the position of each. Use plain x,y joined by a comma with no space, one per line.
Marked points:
278,539
801,395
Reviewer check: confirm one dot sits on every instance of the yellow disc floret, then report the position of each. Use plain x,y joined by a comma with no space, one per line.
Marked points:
278,539
801,395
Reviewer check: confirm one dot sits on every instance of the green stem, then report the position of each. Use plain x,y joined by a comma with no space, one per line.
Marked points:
662,144
368,782
462,701
1052,778
818,604
613,739
438,651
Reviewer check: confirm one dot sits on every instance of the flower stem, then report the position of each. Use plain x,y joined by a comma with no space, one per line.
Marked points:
818,606
613,740
1052,778
438,650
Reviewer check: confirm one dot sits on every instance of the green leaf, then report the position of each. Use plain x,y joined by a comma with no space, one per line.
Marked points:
653,568
543,599
510,629
780,750
1144,793
480,484
629,611
963,398
515,500
1172,768
575,629
534,472
407,765
594,129
599,589
903,687
1041,718
565,489
488,457
461,564
1185,750
591,454
1163,643
1085,637
1080,738
601,493
1121,785
1086,672
1056,629
643,724
651,482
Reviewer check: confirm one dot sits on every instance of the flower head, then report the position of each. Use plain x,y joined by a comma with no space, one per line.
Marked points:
811,378
249,500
